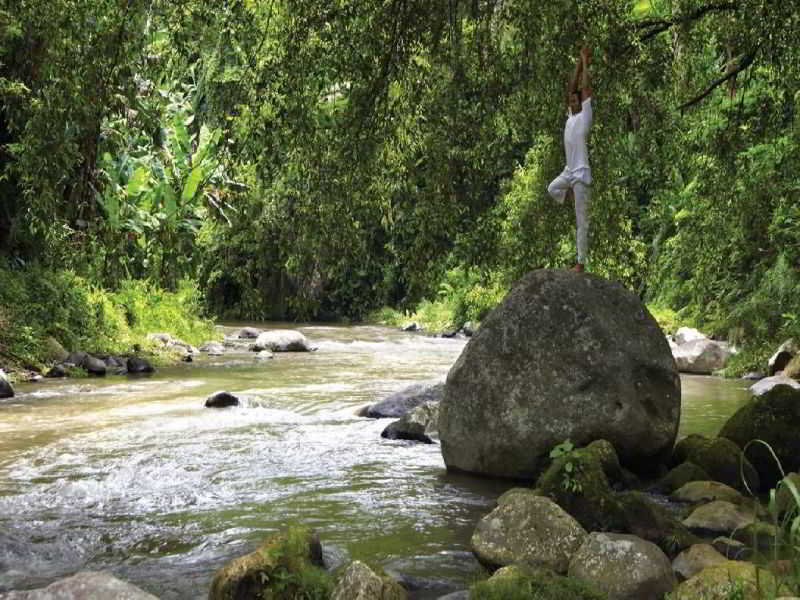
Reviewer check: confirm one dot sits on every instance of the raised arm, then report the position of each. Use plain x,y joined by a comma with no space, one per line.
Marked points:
586,84
572,85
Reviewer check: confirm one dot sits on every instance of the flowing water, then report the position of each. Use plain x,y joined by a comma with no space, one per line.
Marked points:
137,477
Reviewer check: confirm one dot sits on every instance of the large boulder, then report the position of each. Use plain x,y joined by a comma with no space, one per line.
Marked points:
625,567
97,585
6,391
702,357
527,529
401,402
359,582
565,355
773,416
94,366
282,340
54,351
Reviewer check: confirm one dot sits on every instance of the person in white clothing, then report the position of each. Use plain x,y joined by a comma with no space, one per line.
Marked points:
576,178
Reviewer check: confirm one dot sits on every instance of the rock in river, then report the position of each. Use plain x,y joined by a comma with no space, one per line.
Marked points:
564,356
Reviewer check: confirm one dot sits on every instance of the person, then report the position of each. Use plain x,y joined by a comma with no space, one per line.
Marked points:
576,178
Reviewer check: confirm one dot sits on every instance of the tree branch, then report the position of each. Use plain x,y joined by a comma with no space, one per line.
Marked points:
746,61
660,25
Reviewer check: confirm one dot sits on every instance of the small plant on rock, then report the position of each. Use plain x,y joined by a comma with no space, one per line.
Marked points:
570,468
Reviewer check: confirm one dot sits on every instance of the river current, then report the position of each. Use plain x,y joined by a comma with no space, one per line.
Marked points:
135,476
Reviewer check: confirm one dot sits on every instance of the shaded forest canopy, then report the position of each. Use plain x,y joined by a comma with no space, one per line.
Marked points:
312,158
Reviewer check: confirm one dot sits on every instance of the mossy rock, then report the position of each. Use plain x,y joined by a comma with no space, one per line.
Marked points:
655,523
578,484
518,583
359,582
773,417
721,458
287,565
684,473
731,579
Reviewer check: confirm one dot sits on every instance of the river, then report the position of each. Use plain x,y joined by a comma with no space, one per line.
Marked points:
135,476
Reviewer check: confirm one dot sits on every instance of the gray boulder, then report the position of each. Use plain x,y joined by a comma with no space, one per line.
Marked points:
94,366
564,356
399,403
359,582
282,340
623,566
94,585
526,528
702,357
54,351
6,391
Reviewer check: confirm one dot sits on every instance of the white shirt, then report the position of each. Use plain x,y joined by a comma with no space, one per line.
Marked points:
575,133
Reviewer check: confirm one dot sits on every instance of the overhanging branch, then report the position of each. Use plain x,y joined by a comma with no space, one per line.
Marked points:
656,26
746,61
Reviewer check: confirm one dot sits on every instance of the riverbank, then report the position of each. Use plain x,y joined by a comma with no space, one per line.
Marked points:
43,313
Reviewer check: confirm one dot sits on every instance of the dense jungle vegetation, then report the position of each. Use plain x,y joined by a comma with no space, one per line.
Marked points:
309,159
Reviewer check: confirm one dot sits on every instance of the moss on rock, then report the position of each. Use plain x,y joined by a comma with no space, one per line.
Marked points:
721,458
284,567
518,583
773,417
684,473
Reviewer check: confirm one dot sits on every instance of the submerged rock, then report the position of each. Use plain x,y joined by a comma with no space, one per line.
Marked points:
401,402
94,585
564,356
213,348
221,400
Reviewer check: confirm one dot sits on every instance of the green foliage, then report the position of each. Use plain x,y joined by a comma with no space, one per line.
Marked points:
293,577
36,303
570,468
521,585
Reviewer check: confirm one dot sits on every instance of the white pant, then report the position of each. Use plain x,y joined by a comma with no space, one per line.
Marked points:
581,188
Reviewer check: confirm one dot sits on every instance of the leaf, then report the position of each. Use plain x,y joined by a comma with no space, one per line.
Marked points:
190,188
138,181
